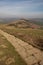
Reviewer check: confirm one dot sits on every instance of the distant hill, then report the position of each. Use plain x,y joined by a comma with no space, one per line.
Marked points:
7,20
23,23
37,21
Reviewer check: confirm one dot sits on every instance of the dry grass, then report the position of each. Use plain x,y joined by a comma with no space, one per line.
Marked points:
32,36
8,55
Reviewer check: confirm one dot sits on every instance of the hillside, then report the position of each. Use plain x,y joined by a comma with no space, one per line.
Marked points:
25,30
23,23
27,53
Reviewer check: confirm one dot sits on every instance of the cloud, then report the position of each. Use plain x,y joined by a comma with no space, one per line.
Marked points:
32,8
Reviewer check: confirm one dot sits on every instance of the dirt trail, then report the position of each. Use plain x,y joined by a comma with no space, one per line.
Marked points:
31,55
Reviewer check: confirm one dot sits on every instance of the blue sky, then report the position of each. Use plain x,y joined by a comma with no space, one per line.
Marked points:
21,8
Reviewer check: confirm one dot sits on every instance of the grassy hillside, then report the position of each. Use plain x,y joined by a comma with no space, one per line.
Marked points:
8,55
23,23
32,36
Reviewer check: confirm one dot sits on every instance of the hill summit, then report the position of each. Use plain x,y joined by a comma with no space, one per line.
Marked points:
23,23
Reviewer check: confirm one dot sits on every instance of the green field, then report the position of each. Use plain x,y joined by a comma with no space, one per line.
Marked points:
8,55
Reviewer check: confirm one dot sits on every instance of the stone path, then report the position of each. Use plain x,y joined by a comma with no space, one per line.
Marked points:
31,55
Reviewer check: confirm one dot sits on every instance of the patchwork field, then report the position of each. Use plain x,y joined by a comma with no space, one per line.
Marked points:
8,55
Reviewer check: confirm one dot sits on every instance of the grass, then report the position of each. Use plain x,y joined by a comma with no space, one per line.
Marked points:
31,36
8,54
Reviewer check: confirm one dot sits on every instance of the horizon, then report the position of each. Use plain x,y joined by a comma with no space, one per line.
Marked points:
21,8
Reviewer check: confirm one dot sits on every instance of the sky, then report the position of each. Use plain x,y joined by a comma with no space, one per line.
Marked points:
21,8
